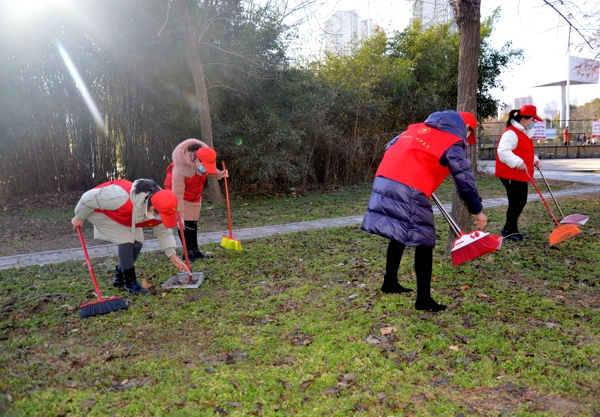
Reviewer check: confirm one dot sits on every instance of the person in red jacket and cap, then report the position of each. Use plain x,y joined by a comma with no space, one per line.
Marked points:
193,162
515,160
414,165
119,210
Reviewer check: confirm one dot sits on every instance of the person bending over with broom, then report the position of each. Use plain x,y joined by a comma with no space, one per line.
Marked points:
193,162
414,165
119,210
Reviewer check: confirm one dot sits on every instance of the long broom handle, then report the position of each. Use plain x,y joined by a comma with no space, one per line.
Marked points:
89,264
449,219
543,199
228,206
182,236
551,193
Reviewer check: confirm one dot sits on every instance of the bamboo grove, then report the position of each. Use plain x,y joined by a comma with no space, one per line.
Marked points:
277,123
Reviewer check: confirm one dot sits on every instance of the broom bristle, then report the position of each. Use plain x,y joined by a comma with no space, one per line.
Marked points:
103,306
562,233
230,243
472,246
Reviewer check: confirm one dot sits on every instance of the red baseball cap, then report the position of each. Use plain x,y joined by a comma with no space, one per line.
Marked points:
529,110
471,122
208,157
166,203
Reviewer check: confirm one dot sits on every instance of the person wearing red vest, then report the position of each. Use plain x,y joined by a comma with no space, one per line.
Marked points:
193,162
119,210
515,160
414,164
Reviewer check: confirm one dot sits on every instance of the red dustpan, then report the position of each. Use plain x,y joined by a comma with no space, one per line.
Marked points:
576,219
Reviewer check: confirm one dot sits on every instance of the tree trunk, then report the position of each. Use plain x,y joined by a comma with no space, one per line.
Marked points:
468,14
191,51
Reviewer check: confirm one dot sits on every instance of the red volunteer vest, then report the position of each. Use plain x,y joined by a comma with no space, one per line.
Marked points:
193,186
123,214
414,159
524,150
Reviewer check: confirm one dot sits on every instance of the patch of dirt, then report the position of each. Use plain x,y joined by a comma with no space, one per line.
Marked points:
508,398
41,223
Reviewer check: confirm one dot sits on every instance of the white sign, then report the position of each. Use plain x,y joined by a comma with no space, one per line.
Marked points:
539,130
596,128
583,70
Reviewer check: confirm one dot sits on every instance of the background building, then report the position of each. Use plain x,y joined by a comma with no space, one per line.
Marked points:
521,101
344,29
433,11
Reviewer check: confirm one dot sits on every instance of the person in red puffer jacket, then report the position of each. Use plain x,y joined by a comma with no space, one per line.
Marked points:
193,162
515,160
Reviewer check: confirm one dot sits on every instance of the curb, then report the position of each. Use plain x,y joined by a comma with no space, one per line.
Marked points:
101,251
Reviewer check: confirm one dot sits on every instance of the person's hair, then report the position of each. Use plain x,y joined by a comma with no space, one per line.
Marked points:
516,116
147,186
194,147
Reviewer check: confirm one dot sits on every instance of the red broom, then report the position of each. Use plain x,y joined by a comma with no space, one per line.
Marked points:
468,246
102,305
185,252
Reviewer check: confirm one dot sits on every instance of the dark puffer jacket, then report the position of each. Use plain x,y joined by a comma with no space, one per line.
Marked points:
404,214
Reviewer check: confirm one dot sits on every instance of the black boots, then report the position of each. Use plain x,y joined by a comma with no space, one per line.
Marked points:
423,270
424,300
515,237
119,278
191,256
198,254
195,254
391,286
131,284
428,304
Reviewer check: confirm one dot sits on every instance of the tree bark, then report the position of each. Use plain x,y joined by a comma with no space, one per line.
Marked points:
202,106
468,15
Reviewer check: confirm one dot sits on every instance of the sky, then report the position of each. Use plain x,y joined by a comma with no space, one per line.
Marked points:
529,24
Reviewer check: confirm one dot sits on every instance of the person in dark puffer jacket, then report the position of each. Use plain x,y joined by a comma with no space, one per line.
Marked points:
414,165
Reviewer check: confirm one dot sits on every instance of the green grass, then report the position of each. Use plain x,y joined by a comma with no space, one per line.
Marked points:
285,327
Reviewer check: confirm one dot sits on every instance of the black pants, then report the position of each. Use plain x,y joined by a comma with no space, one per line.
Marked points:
190,234
423,266
128,254
516,191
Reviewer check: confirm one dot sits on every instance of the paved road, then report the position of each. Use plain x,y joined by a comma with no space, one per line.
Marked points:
581,170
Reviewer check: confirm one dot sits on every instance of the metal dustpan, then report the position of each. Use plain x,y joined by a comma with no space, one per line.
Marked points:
574,219
185,280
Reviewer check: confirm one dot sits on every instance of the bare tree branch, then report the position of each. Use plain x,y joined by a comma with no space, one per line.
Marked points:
569,22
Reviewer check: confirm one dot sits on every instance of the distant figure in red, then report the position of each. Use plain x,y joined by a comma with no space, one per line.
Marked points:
566,136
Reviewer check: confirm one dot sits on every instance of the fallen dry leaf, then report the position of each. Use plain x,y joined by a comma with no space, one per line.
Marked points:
305,385
481,295
87,403
452,347
464,287
388,330
330,390
146,284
